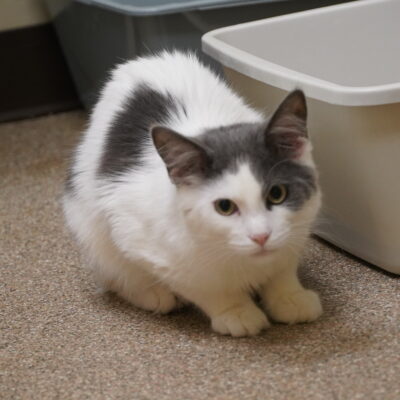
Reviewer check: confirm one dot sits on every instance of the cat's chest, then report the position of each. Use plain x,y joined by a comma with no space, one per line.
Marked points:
199,268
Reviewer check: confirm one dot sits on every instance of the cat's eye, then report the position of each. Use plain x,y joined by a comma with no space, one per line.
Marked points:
225,207
277,195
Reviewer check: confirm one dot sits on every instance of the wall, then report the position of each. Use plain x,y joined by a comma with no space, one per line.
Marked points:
16,14
34,78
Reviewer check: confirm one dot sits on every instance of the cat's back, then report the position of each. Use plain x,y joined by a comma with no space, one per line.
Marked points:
172,89
204,98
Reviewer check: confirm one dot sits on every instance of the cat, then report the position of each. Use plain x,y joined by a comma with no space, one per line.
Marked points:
180,192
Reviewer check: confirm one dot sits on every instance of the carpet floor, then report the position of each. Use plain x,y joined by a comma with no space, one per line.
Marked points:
61,340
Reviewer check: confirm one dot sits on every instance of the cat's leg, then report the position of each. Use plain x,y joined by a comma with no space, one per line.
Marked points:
133,281
111,270
140,288
286,300
231,313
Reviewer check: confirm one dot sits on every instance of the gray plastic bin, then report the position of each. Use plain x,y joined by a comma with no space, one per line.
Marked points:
97,34
346,58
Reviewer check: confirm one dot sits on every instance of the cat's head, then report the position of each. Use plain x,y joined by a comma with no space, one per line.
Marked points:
247,188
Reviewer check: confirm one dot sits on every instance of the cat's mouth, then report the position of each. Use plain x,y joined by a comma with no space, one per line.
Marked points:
262,252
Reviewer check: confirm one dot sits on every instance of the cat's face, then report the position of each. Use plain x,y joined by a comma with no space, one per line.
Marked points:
248,189
240,214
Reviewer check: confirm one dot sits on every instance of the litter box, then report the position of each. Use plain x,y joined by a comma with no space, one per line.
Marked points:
95,35
346,58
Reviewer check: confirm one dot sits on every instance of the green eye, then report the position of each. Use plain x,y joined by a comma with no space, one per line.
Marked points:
277,194
225,207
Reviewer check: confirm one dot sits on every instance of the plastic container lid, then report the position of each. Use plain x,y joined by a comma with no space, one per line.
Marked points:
344,54
158,7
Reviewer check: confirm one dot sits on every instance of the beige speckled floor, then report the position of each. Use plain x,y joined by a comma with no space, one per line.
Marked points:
59,340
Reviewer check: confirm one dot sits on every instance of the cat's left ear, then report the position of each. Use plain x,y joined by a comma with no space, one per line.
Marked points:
287,128
186,161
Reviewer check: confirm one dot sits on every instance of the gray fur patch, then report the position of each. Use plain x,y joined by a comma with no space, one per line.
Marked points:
130,131
271,161
231,145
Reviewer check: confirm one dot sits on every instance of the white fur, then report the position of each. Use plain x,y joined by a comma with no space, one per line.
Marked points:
153,243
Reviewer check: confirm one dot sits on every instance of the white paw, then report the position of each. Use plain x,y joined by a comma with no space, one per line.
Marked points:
300,306
156,298
246,320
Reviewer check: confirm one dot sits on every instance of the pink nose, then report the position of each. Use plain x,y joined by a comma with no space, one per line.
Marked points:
260,238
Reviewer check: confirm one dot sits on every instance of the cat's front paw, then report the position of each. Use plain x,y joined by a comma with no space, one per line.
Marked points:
244,320
300,306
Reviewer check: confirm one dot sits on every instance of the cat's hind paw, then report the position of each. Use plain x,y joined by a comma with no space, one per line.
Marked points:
157,298
300,306
244,320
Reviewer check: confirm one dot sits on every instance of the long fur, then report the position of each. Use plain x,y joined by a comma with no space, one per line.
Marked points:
154,241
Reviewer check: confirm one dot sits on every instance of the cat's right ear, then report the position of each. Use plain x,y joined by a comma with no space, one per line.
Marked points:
186,161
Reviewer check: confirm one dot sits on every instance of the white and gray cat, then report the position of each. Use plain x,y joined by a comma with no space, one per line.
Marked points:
180,192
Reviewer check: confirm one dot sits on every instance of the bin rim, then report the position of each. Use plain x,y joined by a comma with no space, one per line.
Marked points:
141,9
288,79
